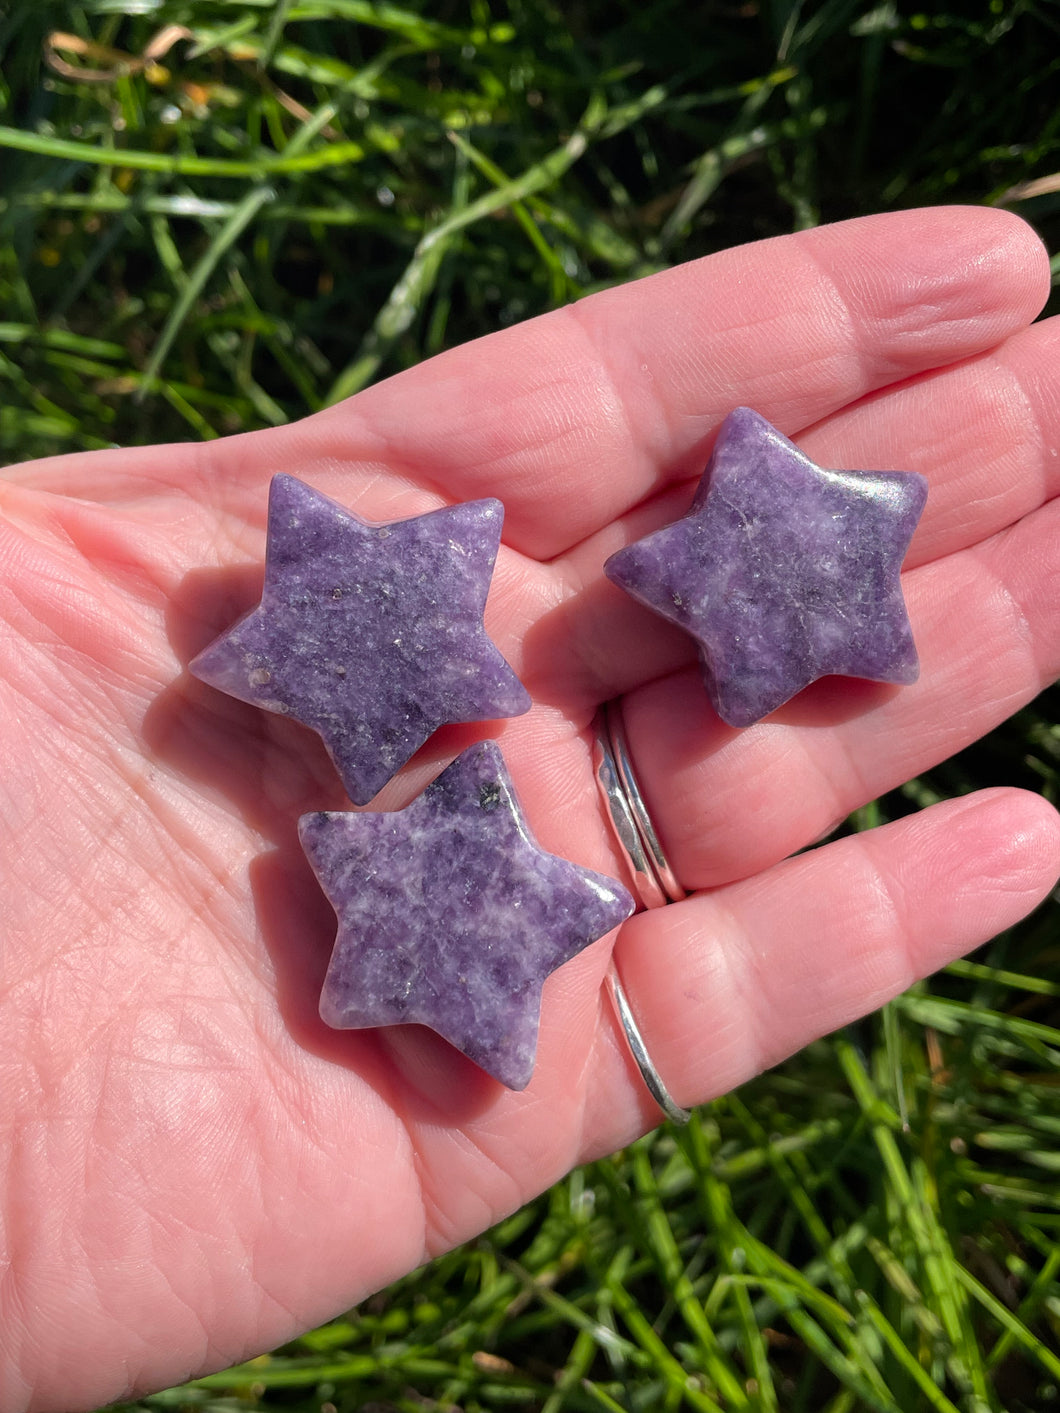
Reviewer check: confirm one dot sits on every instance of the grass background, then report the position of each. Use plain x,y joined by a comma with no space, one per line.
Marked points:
223,215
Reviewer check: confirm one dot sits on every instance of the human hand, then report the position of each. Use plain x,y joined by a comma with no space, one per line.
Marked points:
196,1168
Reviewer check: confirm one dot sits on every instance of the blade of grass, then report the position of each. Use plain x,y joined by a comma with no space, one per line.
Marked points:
425,33
194,418
339,154
651,1210
397,314
559,281
1013,1326
225,237
709,171
281,12
678,1379
932,1393
862,1380
537,177
695,1141
1040,985
602,1336
923,1232
199,207
953,1016
1028,1306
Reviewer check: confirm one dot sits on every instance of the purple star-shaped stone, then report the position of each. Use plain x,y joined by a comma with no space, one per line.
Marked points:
782,572
370,634
451,915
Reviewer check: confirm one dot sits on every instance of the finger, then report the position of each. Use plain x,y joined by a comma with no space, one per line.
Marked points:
727,803
601,403
577,416
728,983
984,432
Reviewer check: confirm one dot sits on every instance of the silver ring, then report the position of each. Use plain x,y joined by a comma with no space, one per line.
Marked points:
655,881
665,880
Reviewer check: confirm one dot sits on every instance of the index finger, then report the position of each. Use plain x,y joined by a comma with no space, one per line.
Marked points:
574,417
577,416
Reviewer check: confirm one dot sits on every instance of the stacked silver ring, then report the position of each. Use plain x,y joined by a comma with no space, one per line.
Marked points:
653,878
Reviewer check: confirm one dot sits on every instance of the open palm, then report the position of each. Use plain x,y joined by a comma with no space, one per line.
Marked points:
195,1167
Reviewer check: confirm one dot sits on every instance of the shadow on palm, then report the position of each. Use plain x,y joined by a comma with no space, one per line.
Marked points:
269,770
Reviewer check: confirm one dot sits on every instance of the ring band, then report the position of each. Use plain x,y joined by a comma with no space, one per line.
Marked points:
665,880
621,812
654,879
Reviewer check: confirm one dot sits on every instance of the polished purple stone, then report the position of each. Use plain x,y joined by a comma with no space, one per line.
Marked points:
451,915
370,634
781,571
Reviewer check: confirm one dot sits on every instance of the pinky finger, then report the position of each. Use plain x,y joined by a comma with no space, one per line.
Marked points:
732,981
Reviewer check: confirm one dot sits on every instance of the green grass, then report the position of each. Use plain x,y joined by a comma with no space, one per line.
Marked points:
295,199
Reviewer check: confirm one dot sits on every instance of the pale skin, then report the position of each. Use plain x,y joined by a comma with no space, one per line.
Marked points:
194,1168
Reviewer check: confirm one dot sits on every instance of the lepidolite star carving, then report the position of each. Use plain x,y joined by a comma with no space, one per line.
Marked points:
452,916
370,634
782,571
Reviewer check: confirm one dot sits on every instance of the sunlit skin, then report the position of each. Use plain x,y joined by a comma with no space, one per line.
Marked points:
194,1167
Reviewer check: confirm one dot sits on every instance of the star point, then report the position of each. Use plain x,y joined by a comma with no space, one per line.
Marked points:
371,634
451,915
782,571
